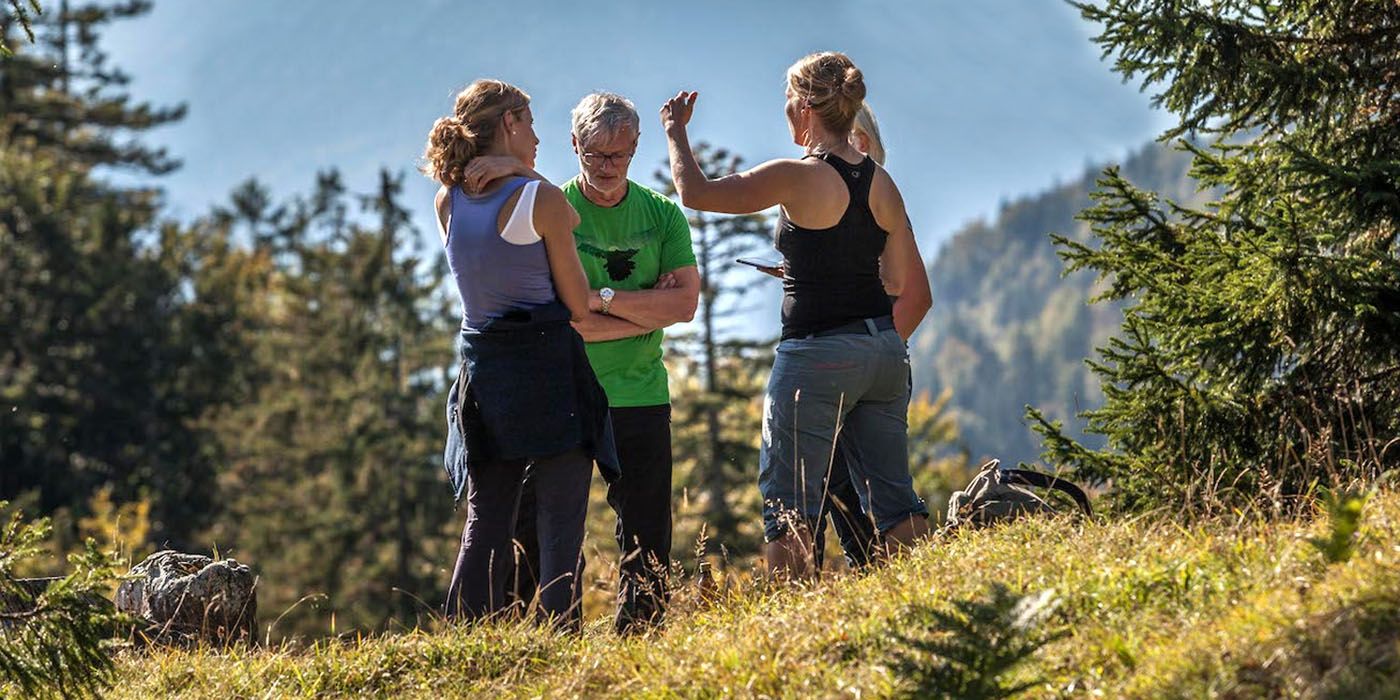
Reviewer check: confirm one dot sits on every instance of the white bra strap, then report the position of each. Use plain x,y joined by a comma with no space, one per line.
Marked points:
520,229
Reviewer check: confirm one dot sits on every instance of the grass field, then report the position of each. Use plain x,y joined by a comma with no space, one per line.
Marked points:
1136,608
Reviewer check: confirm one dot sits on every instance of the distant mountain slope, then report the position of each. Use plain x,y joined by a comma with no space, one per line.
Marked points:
1007,330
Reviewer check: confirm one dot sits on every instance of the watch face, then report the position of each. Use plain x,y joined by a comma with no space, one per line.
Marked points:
606,293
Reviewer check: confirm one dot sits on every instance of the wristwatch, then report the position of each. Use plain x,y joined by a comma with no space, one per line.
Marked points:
606,294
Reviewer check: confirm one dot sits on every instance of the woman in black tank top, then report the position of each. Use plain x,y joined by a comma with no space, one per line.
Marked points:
847,246
833,274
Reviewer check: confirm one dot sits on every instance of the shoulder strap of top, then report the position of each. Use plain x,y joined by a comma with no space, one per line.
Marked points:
498,196
857,177
509,189
520,227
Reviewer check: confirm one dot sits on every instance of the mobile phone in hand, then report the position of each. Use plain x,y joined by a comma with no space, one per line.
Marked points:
769,266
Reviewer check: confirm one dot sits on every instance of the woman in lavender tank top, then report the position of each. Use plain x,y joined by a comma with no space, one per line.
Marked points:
525,395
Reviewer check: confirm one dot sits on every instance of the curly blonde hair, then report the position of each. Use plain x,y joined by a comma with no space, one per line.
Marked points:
456,139
831,85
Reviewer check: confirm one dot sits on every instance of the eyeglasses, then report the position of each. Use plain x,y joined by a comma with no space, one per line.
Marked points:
594,160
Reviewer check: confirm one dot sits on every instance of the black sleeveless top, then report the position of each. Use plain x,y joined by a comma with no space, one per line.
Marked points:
833,274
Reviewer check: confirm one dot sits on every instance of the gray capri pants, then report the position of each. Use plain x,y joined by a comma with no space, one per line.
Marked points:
859,384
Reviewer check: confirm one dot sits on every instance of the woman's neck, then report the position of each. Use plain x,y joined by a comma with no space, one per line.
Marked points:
495,150
821,141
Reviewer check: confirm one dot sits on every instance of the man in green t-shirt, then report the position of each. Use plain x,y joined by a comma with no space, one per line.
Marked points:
635,248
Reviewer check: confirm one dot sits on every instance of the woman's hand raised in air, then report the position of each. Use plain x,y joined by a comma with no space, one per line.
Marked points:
676,113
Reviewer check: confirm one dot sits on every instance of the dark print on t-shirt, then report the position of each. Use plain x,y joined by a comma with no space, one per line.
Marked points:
618,261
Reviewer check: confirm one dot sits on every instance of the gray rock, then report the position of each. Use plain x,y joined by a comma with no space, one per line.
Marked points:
191,597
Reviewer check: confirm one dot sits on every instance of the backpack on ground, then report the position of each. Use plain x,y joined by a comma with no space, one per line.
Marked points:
1000,494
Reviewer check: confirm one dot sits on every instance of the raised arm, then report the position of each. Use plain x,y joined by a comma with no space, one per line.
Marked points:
555,221
765,186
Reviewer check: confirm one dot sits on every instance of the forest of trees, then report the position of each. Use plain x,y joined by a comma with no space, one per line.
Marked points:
267,380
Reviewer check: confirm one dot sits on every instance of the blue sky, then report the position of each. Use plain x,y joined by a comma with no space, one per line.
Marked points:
978,101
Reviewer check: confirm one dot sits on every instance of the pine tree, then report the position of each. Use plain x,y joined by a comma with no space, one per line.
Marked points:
1260,353
334,483
23,12
729,368
110,361
62,94
53,636
105,365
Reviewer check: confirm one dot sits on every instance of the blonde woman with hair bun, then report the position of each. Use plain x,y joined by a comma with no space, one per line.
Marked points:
847,248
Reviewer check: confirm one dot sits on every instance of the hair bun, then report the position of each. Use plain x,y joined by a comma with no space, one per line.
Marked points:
853,84
831,84
460,136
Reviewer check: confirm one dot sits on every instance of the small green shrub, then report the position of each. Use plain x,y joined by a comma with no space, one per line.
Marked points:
971,650
53,642
1344,512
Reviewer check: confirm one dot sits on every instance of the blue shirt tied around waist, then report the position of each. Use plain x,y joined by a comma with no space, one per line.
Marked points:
525,389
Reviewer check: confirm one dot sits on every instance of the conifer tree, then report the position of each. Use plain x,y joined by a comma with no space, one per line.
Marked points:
728,369
23,13
334,485
105,364
62,93
53,637
1260,353
109,363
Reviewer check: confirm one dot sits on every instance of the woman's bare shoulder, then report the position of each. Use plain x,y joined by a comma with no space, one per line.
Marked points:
785,170
552,208
886,201
882,183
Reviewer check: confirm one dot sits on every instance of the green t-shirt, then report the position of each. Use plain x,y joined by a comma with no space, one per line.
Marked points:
627,247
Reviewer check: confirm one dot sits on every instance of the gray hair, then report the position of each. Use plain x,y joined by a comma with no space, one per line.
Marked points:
603,113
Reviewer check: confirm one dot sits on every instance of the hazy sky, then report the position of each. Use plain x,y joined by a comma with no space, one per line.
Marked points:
978,101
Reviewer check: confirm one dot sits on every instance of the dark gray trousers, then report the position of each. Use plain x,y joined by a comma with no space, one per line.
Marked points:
487,560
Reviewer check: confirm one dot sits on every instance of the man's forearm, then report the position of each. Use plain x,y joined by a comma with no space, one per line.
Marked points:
596,327
653,308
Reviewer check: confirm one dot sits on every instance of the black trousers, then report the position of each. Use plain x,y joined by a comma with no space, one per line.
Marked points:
558,509
641,498
853,526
